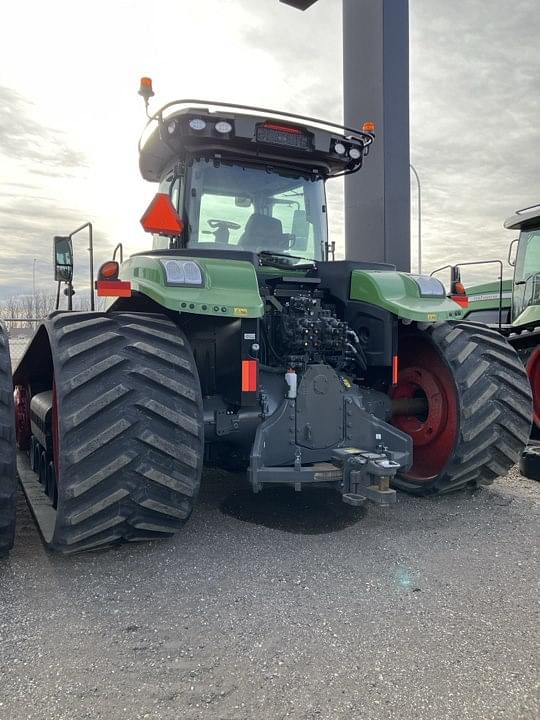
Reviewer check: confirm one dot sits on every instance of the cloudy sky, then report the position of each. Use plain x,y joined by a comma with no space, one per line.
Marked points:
70,115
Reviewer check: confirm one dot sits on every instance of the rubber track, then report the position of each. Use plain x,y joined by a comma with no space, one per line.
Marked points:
8,474
494,407
130,428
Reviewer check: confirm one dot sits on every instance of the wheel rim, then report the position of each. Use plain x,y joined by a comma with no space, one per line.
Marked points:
533,371
21,398
423,373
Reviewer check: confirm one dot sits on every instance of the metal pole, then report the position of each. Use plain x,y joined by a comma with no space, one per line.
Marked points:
91,251
34,301
376,87
417,176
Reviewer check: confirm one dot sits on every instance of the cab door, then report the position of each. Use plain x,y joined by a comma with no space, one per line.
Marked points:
526,290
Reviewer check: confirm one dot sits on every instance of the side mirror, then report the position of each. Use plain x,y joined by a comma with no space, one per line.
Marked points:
511,253
63,259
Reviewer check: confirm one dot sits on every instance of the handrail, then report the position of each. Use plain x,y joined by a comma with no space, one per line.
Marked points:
481,262
367,138
120,248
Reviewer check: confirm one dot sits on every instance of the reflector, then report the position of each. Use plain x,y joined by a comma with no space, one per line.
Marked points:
461,300
161,217
113,288
250,375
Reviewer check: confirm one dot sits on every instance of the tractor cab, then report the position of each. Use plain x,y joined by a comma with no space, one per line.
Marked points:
526,262
241,178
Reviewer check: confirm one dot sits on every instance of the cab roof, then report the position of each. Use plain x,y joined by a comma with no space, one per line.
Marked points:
248,134
524,219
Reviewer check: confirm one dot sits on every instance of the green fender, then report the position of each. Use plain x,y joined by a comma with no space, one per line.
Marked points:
230,287
399,293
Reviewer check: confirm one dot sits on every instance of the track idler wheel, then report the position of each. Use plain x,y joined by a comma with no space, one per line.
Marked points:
8,474
470,406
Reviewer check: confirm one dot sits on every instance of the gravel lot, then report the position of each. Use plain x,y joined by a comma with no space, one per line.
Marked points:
284,605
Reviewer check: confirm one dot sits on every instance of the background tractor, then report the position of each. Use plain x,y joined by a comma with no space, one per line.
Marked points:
239,341
512,307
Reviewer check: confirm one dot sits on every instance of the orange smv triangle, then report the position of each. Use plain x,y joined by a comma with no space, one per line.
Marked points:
161,217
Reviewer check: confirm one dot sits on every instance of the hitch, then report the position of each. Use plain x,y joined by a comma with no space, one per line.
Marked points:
366,476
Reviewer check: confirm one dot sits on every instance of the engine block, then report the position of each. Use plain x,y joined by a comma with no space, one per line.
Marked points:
308,332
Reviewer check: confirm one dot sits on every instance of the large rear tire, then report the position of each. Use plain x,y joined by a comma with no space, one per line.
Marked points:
8,474
479,409
127,429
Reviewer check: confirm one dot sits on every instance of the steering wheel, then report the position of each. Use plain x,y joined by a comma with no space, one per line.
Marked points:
217,224
220,230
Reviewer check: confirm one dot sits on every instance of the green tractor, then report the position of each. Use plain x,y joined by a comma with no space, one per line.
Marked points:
513,308
238,341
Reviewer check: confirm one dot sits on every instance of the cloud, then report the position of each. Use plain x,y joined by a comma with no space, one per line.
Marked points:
38,167
475,102
29,142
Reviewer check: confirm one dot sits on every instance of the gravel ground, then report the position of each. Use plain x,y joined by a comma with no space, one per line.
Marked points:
284,605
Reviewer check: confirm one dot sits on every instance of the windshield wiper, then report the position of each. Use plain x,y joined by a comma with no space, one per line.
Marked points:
269,254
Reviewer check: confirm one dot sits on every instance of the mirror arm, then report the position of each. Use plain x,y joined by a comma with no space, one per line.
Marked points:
91,251
511,262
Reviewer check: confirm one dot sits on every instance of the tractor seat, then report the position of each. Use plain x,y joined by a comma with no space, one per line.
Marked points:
263,232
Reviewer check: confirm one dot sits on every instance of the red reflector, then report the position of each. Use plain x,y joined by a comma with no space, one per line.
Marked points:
395,369
250,380
113,288
283,128
161,217
461,300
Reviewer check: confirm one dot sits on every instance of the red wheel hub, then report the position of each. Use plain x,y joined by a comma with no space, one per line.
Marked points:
424,374
23,432
533,371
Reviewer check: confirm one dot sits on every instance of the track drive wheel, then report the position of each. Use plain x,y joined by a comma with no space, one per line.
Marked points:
477,415
127,429
8,475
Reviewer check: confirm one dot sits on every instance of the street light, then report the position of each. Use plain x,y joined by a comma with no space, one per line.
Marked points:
34,301
419,218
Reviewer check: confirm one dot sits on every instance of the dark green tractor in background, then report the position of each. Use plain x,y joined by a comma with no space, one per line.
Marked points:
239,341
512,307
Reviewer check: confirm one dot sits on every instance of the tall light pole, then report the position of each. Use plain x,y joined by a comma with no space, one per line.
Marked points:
34,300
417,176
